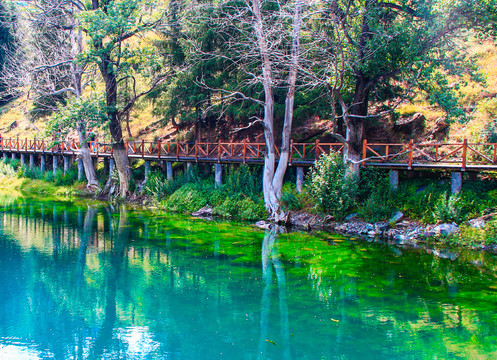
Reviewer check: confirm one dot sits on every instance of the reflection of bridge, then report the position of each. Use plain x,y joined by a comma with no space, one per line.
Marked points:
443,156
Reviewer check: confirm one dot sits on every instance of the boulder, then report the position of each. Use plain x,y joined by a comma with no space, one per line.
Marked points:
446,254
396,217
351,217
445,229
477,223
205,212
410,124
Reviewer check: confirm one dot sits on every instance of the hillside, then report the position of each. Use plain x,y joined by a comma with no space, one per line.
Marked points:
478,100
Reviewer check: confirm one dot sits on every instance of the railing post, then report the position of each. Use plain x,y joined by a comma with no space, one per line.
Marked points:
364,151
244,151
411,146
219,152
316,150
18,144
143,148
177,150
158,149
26,145
464,153
127,147
291,152
196,151
495,153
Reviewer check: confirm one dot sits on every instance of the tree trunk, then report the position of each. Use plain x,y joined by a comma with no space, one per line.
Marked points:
273,178
123,169
354,122
91,174
119,150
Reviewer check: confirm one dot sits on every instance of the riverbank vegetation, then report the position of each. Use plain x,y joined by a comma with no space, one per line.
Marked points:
327,193
245,70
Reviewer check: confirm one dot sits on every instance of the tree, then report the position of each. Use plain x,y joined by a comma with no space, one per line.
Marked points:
112,29
262,40
7,44
370,46
45,66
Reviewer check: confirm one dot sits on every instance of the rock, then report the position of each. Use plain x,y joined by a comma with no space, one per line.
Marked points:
401,239
351,216
13,125
420,189
410,124
381,227
206,211
445,229
372,233
477,223
396,217
445,254
263,225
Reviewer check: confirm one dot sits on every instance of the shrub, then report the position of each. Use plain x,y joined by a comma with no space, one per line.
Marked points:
6,169
374,188
329,186
243,180
290,199
376,207
448,208
63,179
241,207
33,173
186,200
156,185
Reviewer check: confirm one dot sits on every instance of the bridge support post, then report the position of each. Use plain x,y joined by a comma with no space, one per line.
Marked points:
42,163
456,182
189,168
169,170
31,161
81,169
54,164
147,169
111,167
106,166
23,159
66,163
299,184
393,179
218,174
13,155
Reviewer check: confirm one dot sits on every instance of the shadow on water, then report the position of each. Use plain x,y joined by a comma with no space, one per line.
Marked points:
97,282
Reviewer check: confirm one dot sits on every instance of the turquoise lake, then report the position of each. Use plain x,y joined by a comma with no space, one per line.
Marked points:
100,282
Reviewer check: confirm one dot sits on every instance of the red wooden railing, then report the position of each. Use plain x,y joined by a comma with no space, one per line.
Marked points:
407,155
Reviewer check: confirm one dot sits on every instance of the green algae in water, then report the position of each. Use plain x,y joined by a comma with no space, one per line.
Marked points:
93,282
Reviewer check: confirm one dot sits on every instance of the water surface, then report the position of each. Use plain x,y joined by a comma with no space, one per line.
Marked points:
96,282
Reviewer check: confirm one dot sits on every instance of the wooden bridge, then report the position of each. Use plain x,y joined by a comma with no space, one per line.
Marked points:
455,156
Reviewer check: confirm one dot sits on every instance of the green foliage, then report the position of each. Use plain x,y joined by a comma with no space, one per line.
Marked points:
328,185
243,180
6,169
290,199
91,110
61,179
186,200
448,208
374,190
241,207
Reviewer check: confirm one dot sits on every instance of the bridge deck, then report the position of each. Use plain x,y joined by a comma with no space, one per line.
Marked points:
442,156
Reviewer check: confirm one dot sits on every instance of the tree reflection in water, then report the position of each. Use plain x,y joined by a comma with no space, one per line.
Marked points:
98,282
